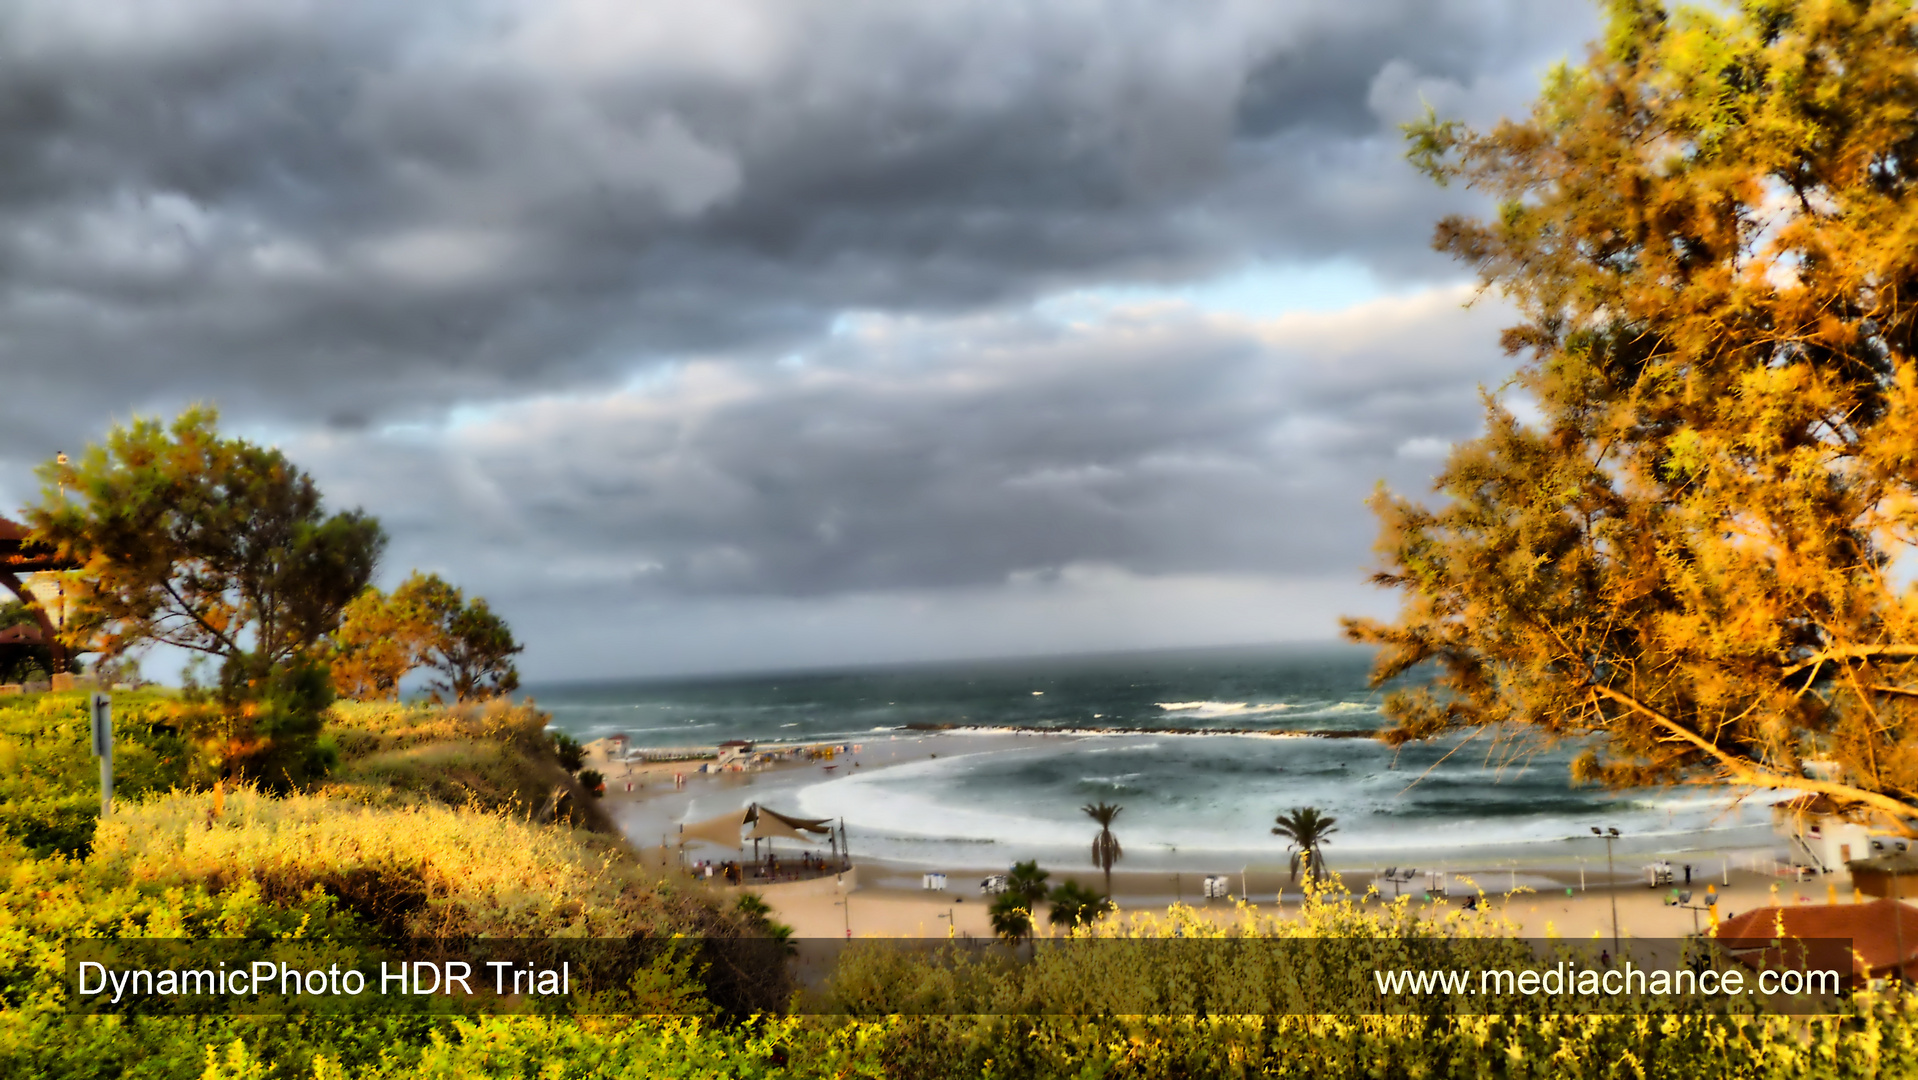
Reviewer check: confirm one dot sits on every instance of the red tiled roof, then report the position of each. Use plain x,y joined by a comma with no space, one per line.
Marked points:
1874,929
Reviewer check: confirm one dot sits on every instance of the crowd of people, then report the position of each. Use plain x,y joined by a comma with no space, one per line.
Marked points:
768,869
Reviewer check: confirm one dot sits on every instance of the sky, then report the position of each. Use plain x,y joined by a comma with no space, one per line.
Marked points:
757,334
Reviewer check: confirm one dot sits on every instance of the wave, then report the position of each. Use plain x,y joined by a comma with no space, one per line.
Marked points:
1045,729
638,730
1221,708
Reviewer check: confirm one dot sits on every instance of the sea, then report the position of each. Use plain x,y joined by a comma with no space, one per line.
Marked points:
987,762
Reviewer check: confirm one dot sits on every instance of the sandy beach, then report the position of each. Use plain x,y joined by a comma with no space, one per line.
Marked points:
883,903
881,899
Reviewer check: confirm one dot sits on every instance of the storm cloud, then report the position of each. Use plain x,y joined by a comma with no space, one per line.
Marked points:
760,298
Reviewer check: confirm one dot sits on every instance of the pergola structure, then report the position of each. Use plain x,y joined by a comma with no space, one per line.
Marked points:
18,556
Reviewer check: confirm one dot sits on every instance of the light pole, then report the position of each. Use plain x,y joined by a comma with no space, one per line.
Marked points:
1611,834
1684,900
845,906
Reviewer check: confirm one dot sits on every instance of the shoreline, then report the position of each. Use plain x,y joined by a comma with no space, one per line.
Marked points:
655,804
1542,894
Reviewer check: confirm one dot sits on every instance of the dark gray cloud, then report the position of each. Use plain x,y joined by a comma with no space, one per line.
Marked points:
1100,476
950,452
349,211
752,322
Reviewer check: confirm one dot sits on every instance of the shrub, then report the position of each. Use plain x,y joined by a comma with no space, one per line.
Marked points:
421,870
570,753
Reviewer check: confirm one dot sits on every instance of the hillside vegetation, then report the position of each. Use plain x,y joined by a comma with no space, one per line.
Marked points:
442,822
435,823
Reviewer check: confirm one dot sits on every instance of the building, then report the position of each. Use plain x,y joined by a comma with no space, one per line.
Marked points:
1890,872
1882,937
21,558
1825,837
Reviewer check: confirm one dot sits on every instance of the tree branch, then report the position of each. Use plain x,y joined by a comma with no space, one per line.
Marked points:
187,610
1851,652
1743,770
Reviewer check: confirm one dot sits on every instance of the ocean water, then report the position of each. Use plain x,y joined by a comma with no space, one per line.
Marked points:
1202,748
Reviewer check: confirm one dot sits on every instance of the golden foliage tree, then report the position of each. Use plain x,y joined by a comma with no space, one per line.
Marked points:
1699,545
425,622
381,638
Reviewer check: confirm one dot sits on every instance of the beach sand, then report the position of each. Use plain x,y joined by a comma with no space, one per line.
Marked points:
878,899
817,908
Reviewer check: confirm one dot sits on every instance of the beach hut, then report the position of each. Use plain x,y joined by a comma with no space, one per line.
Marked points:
1890,873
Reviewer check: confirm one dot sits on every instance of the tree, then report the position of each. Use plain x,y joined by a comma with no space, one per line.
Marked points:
1105,846
1027,882
1011,911
1304,830
222,548
474,658
425,622
1011,916
381,639
571,755
1075,905
209,544
1696,546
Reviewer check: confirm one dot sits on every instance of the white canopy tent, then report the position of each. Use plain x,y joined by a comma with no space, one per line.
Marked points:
764,824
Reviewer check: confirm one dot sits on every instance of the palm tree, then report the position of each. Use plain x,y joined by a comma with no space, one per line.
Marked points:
1011,916
1027,882
1305,829
1074,904
1105,846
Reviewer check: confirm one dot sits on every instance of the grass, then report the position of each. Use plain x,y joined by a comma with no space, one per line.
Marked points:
424,870
489,757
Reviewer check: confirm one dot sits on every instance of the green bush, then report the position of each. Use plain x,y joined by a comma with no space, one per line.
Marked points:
570,753
52,826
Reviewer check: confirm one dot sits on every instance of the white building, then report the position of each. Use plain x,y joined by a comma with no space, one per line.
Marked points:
1824,838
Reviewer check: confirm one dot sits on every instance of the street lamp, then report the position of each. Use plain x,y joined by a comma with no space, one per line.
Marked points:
1684,900
1610,834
